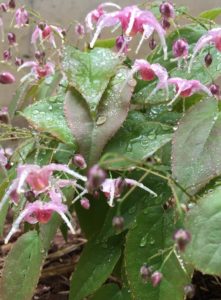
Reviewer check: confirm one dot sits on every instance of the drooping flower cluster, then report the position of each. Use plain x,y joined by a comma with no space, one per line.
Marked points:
132,21
34,182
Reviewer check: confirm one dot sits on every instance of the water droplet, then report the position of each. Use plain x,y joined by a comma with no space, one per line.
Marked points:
101,120
143,241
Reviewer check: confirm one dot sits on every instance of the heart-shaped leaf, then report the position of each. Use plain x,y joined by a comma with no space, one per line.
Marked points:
96,264
22,268
204,223
196,146
90,72
47,115
151,236
92,135
138,139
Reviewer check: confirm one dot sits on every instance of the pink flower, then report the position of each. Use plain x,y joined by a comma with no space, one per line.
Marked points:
180,49
40,180
41,212
46,33
112,189
133,21
11,39
93,16
148,72
6,78
213,36
186,88
38,71
21,17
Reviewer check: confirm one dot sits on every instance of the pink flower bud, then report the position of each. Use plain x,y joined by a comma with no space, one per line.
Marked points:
121,44
180,48
145,273
11,38
208,59
30,196
79,161
156,278
167,10
12,4
152,43
21,17
189,291
85,203
118,223
215,89
96,176
6,78
4,7
7,55
165,24
79,30
182,238
19,61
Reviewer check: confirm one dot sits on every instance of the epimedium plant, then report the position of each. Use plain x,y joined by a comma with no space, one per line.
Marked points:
128,146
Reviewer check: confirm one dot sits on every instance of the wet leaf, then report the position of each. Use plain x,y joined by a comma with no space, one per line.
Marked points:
22,268
196,146
138,139
47,115
203,222
90,72
111,292
152,234
96,264
211,14
91,135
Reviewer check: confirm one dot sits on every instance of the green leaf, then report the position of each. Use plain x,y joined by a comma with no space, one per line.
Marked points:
138,139
47,115
22,268
92,135
89,72
211,14
19,97
48,231
96,264
196,146
203,222
3,187
111,292
152,234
